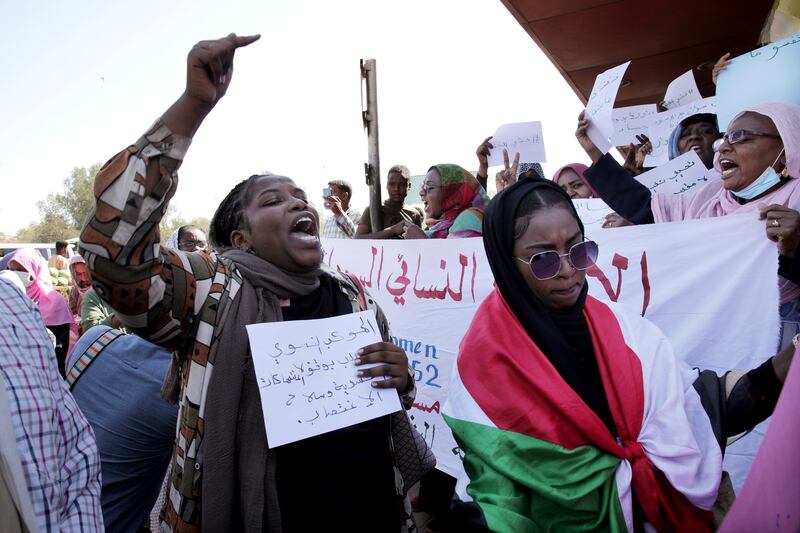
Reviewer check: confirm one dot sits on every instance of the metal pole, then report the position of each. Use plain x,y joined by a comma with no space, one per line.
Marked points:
369,115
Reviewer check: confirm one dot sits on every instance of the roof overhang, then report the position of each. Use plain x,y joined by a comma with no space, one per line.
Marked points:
582,38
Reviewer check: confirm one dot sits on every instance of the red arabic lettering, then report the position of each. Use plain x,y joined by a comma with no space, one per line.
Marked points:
397,285
456,296
423,293
364,281
620,263
404,282
422,407
380,269
645,283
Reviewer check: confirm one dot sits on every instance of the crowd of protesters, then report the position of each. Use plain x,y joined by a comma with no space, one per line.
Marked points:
155,420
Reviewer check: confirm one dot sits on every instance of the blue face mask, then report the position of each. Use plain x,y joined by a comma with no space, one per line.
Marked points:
768,179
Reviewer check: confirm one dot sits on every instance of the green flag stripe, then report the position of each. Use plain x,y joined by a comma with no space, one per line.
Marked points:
525,484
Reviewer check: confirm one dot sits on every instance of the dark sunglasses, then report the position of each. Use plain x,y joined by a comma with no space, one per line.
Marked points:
547,265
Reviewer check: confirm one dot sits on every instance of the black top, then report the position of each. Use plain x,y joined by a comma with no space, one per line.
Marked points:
789,267
343,479
621,191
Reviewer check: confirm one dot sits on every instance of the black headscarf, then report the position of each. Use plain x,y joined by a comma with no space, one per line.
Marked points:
562,336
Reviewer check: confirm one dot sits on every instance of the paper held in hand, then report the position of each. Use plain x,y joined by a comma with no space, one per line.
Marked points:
307,377
631,121
681,91
685,173
592,212
600,105
523,137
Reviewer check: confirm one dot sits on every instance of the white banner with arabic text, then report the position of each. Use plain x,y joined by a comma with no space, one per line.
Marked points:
710,285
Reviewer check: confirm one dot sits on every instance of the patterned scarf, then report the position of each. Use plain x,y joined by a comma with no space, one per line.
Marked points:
460,191
238,477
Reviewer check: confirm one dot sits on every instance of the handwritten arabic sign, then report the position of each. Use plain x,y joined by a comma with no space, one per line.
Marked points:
523,137
307,379
681,91
768,74
678,176
599,107
430,289
592,212
662,124
631,121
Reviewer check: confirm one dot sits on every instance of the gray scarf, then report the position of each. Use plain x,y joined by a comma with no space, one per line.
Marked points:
239,491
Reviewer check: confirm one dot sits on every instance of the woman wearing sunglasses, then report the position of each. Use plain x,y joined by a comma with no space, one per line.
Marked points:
759,160
574,414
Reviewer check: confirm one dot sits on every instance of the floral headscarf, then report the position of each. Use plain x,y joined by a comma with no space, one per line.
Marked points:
460,191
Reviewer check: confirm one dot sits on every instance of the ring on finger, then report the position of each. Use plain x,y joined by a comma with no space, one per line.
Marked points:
775,223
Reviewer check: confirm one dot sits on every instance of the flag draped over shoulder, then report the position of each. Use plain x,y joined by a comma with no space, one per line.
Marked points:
539,458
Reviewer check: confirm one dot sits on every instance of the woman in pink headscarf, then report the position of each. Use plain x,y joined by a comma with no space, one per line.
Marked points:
570,178
34,274
759,160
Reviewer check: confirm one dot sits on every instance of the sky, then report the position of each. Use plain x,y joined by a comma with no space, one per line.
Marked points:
86,79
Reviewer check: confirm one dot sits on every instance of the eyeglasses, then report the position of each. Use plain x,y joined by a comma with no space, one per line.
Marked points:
425,189
738,136
192,245
547,265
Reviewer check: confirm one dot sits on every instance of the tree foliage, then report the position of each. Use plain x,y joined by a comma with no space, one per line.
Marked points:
173,220
62,215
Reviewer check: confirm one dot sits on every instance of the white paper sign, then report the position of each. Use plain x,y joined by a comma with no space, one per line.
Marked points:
592,212
307,378
523,137
600,105
631,121
678,176
662,125
681,91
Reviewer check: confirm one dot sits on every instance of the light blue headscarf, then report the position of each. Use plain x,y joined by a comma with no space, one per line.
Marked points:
675,136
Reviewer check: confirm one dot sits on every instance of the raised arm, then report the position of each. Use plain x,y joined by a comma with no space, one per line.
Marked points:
483,161
151,289
613,183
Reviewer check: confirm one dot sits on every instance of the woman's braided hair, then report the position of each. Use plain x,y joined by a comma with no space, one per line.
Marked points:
230,216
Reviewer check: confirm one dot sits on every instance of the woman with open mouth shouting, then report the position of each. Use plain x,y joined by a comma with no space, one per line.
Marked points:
267,268
759,161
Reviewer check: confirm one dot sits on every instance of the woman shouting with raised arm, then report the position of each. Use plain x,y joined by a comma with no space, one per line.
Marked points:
267,268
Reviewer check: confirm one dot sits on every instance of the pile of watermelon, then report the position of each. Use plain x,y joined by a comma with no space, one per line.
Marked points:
60,278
